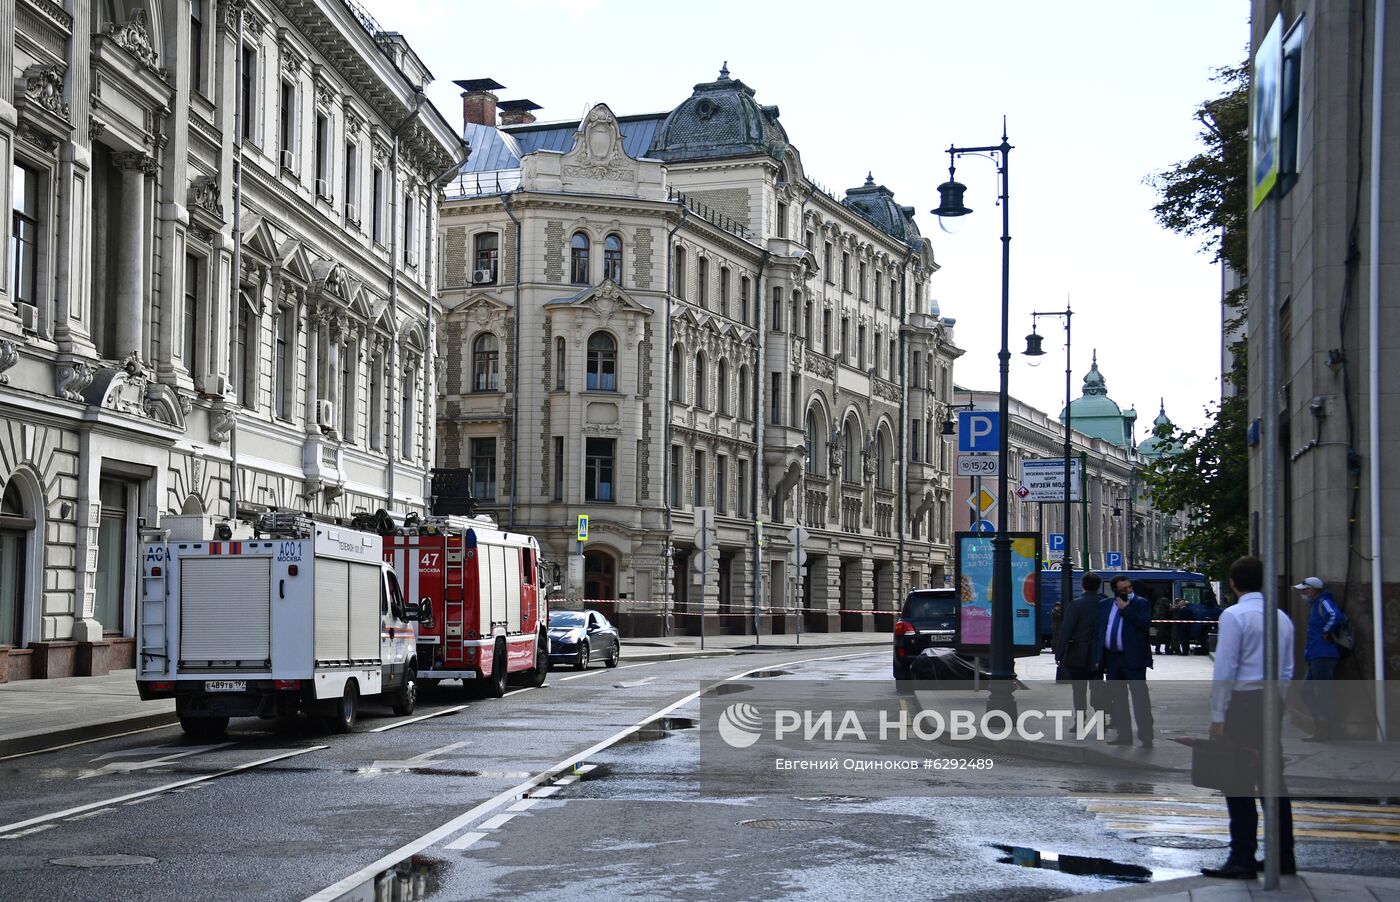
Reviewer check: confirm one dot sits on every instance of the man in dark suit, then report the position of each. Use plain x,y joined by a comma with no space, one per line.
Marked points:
1074,643
1125,650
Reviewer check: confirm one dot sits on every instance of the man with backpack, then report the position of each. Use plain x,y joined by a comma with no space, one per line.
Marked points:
1321,654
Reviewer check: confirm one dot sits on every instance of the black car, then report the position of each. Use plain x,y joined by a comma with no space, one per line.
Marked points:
578,637
929,618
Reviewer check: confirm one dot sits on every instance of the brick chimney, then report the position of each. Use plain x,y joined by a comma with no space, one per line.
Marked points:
517,112
478,103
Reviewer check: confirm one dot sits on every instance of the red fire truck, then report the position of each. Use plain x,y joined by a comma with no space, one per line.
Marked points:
482,613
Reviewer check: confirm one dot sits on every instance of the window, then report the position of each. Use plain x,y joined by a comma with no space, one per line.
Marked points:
578,259
721,484
914,441
612,258
914,369
249,89
410,222
793,319
323,156
486,359
700,379
808,236
560,363
928,442
741,489
285,363
24,236
197,45
602,362
190,333
879,293
892,361
794,396
16,529
287,123
744,299
377,201
598,469
377,438
722,387
826,332
702,270
697,480
850,466
487,246
352,180
724,290
845,271
677,373
845,338
875,351
679,275
245,375
884,471
860,280
919,296
775,400
676,453
826,264
860,347
777,324
559,468
807,321
484,468
782,220
406,387
347,393
745,412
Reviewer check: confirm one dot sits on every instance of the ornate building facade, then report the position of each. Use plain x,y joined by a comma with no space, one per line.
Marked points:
648,316
156,156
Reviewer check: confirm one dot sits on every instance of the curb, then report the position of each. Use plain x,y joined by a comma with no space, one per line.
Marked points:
18,745
1064,754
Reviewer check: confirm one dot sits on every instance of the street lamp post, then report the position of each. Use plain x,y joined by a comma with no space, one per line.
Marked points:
950,204
1033,350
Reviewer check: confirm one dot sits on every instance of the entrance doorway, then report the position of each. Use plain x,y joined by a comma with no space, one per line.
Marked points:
115,535
15,531
599,576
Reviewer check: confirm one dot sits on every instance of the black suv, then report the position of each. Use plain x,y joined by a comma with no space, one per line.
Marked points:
929,618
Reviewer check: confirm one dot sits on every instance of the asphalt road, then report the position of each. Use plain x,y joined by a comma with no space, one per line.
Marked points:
569,791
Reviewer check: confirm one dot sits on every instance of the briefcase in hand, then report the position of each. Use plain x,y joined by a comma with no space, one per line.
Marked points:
1224,765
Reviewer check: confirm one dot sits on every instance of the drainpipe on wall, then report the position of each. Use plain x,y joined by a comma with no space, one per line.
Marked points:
1373,376
237,262
666,475
419,98
515,367
430,385
760,468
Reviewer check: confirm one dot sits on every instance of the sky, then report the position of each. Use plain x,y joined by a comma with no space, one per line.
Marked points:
1096,95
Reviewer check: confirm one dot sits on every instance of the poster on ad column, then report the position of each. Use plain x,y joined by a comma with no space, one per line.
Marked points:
974,576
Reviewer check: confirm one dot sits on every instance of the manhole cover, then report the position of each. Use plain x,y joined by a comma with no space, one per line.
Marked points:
1181,842
786,823
102,861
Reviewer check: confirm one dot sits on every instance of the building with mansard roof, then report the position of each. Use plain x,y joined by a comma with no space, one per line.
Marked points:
649,316
180,333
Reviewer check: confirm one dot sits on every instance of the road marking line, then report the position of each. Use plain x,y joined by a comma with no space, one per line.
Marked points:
522,805
599,670
126,767
30,832
582,769
168,787
518,691
404,723
565,781
515,793
87,814
69,745
496,822
463,841
427,759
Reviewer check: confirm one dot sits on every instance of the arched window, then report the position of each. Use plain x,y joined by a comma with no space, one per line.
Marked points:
745,413
561,360
807,323
486,357
722,386
612,258
850,445
602,362
16,528
677,373
578,259
812,443
700,379
886,461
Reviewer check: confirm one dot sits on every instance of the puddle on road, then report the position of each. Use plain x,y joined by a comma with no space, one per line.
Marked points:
410,880
660,729
765,674
729,689
1078,865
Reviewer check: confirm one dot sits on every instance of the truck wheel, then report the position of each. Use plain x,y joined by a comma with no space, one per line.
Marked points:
341,716
204,727
496,685
535,677
406,696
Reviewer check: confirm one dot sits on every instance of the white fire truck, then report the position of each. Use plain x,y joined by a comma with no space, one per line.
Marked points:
483,617
290,615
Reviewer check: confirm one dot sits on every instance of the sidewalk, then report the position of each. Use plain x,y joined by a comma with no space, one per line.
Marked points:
37,714
1306,887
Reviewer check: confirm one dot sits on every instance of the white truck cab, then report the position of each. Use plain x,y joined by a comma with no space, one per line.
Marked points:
237,620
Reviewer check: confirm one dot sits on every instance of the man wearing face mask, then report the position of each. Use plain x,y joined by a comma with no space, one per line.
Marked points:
1123,640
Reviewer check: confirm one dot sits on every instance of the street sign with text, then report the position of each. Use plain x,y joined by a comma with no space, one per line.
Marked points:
1044,480
977,465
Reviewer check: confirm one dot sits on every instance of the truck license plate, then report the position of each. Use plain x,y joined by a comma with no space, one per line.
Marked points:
226,686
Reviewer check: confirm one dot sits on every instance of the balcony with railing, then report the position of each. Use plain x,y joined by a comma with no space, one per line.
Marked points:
852,504
814,514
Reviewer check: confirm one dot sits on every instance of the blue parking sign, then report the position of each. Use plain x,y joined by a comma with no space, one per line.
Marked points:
1057,541
978,431
1113,560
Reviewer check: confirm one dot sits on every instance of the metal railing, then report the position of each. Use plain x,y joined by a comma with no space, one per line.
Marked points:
710,215
483,184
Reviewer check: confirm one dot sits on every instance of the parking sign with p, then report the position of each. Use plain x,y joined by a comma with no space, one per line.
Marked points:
978,432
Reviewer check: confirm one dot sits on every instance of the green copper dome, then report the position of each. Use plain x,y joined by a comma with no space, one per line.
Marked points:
1155,446
1095,413
720,119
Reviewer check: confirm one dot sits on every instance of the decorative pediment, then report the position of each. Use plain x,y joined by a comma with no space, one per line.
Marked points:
294,260
597,153
606,300
204,201
479,309
258,238
128,389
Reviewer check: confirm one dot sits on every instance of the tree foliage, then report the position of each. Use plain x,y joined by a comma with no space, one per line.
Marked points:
1207,196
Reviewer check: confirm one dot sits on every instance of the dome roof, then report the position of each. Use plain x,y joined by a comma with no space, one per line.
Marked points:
876,203
1154,446
720,119
1095,401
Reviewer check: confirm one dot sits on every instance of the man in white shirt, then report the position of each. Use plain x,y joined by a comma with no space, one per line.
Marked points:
1237,713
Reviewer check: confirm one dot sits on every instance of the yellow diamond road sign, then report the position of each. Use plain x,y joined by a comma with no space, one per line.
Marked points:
982,502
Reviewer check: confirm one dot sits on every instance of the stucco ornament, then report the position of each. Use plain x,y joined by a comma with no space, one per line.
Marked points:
71,378
597,152
134,37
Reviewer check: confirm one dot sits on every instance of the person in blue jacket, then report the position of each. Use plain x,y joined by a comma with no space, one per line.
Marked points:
1123,649
1321,654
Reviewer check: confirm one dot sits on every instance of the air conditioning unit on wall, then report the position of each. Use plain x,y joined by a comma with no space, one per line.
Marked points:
29,317
288,160
325,414
483,276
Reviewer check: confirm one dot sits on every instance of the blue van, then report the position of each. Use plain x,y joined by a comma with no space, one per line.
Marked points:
1154,584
